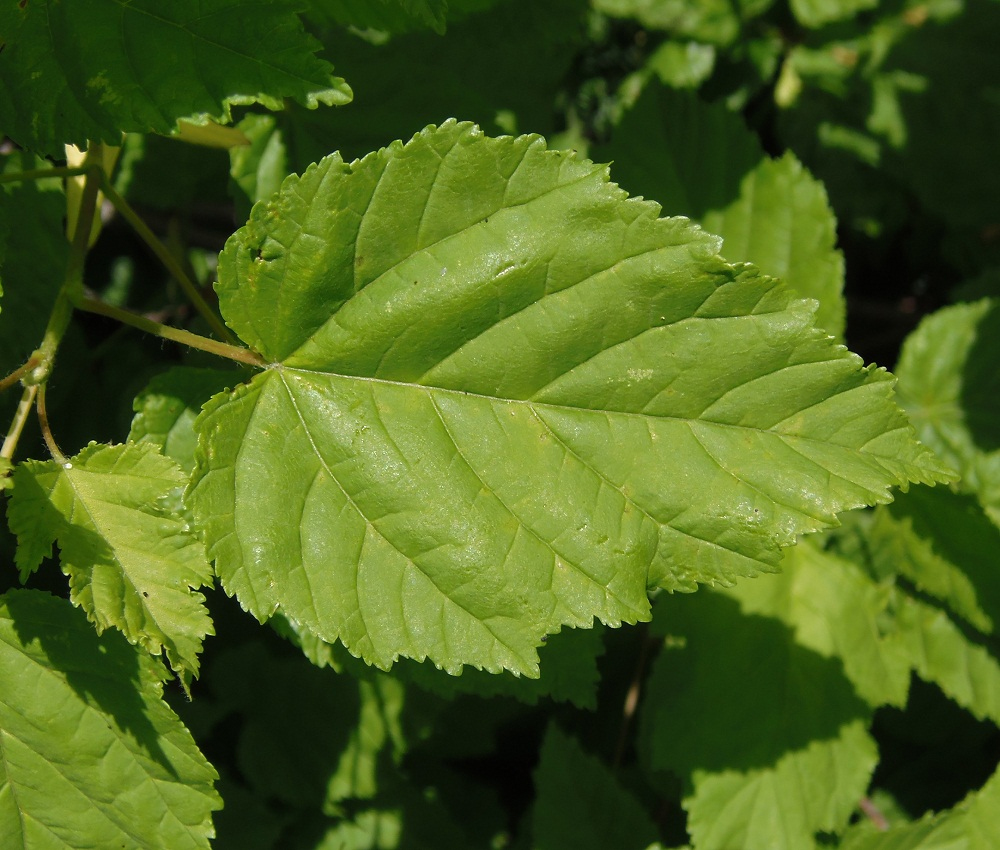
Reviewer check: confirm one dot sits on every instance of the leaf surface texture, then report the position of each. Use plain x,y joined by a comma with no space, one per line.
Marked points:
504,398
90,755
104,67
131,559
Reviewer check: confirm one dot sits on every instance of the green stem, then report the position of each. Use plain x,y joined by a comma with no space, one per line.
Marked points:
20,417
43,173
17,374
168,259
72,288
43,422
202,343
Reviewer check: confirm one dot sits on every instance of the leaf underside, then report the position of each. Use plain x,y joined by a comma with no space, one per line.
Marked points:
504,397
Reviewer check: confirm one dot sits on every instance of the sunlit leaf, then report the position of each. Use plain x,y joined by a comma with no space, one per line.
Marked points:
459,330
133,563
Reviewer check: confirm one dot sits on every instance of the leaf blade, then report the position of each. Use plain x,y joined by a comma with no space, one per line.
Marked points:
90,752
195,60
132,562
447,377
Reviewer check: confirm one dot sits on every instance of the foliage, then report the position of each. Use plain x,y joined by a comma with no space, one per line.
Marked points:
477,494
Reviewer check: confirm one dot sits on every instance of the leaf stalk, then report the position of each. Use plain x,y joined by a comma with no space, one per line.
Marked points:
165,256
202,343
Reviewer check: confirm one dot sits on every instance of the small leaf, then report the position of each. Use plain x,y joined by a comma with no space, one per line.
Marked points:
388,15
973,824
91,755
505,398
198,57
131,559
579,803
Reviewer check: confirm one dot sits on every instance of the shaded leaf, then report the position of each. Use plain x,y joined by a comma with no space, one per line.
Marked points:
91,755
579,803
700,160
166,409
132,561
796,756
950,387
971,825
966,670
387,15
816,13
835,610
946,545
198,57
569,673
502,84
459,329
310,738
33,261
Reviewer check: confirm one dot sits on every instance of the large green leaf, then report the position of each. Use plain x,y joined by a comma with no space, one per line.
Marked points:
504,398
132,560
92,69
90,755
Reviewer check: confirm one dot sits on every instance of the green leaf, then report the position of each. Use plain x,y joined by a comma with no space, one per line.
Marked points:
700,160
712,21
70,71
971,825
34,259
835,610
569,674
133,563
258,169
90,755
386,15
502,83
579,803
962,668
946,545
950,386
460,328
312,737
783,223
796,713
166,409
816,13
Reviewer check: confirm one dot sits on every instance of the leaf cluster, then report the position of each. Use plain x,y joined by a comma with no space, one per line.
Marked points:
386,471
